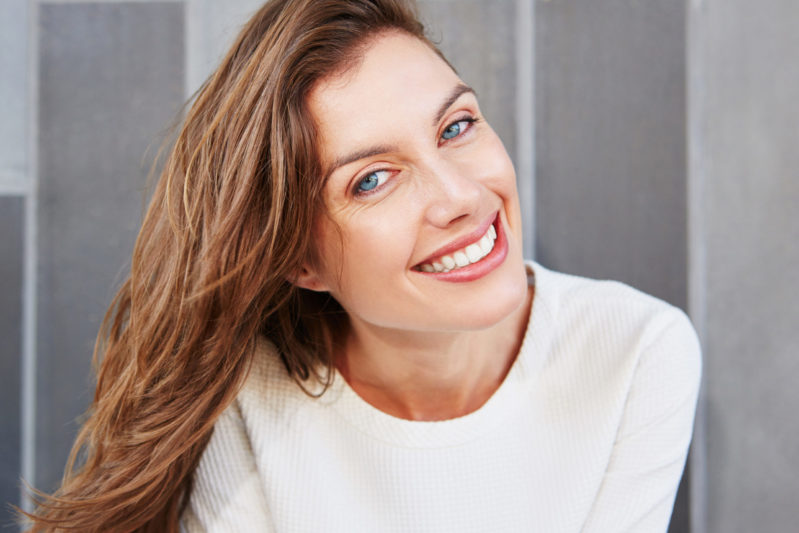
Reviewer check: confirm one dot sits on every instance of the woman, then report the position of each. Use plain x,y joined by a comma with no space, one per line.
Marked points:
329,325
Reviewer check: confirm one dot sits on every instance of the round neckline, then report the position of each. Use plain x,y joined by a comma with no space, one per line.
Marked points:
508,397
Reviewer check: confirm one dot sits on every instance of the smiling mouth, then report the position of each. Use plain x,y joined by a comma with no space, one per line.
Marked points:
468,255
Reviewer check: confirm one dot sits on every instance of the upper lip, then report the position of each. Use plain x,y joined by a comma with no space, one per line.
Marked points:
462,242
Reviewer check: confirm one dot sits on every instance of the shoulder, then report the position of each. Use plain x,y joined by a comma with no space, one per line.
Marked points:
611,312
229,491
270,392
276,409
613,335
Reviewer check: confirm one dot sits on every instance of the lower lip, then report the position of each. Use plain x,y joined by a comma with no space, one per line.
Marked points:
481,268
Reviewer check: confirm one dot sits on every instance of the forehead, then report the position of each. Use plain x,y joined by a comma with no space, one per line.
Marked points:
398,81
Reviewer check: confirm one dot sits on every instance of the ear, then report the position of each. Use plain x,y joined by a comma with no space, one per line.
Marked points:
308,278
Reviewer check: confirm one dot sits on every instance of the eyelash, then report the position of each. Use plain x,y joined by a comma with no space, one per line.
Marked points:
470,121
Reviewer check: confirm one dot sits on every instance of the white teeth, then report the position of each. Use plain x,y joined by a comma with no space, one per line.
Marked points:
461,259
474,253
486,244
471,254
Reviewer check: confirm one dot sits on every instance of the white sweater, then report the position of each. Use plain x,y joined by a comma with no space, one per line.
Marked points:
588,432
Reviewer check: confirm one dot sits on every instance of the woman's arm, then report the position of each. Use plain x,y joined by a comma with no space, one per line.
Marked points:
645,467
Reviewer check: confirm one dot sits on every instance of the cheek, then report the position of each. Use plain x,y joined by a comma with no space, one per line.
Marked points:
500,177
371,248
497,172
379,241
502,167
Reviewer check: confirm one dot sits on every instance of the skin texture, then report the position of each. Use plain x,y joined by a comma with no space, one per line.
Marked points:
399,123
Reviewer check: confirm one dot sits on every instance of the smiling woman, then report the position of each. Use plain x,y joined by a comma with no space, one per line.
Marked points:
329,324
443,179
445,192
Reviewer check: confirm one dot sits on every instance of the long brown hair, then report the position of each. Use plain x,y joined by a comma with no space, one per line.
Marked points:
229,223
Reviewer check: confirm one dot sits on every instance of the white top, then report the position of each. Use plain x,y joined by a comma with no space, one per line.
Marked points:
588,432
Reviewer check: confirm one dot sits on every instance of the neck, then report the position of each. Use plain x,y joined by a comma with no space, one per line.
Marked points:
431,375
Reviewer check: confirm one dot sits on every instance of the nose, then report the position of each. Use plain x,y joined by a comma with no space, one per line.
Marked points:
452,194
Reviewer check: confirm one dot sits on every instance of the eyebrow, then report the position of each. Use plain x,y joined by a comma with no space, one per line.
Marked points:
361,154
456,93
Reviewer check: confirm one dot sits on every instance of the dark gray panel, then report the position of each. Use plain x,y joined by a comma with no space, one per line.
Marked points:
12,219
611,149
610,134
750,134
478,38
111,79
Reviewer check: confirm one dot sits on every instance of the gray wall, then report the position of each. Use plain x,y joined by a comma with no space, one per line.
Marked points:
746,169
86,88
653,141
14,203
611,163
12,210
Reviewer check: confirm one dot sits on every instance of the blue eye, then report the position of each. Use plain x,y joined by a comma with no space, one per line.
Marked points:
452,131
371,181
456,128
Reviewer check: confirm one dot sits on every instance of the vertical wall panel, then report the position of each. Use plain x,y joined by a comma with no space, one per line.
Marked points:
13,87
12,217
610,147
610,141
111,79
750,134
477,37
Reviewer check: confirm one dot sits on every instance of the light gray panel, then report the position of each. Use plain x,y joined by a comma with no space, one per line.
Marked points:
12,217
13,86
610,141
611,148
111,80
477,37
212,26
750,134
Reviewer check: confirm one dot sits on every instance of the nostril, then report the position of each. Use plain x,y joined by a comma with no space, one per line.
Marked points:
458,218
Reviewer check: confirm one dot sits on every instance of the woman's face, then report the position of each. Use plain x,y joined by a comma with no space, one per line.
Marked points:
423,230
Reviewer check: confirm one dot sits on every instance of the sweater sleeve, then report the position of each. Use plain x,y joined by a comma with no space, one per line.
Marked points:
638,490
227,495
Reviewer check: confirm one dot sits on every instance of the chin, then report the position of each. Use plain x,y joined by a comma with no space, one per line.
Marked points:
498,301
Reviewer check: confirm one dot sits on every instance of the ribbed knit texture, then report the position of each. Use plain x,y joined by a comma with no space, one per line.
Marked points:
588,432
